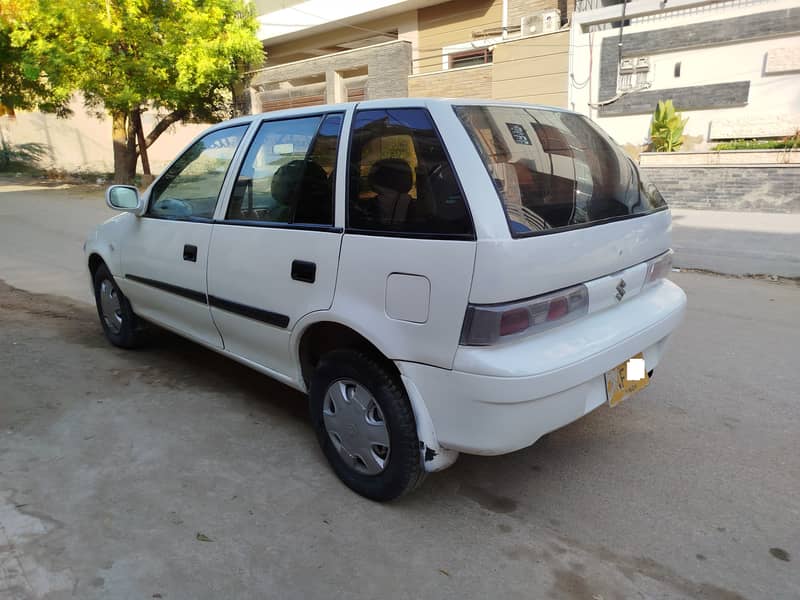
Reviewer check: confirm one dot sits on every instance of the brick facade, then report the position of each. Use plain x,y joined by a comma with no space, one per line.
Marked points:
388,66
470,82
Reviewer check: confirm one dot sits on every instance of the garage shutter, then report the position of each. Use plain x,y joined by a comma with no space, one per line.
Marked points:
356,94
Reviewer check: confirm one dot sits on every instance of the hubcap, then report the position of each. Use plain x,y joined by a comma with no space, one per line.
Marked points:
110,307
356,426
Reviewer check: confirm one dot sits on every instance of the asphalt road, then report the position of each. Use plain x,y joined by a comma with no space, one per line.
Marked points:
117,467
737,243
42,229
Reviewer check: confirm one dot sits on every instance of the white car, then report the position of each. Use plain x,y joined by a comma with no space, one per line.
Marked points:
438,276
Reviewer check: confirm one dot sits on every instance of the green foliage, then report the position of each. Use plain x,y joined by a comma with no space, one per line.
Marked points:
789,143
666,128
180,57
21,84
173,54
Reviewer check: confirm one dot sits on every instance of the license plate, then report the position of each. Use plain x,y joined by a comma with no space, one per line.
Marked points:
622,381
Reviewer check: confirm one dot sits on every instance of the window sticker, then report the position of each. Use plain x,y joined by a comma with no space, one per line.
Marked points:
519,134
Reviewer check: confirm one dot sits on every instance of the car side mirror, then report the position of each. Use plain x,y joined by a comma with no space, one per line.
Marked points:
125,198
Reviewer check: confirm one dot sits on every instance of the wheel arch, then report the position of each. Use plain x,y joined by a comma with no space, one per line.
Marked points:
316,337
94,262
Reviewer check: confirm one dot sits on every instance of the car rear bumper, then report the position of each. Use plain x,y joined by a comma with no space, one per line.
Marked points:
504,398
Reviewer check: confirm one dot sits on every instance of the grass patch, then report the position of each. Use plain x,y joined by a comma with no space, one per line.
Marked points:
788,143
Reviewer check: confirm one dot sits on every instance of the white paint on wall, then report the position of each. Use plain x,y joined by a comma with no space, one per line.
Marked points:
318,15
771,95
82,142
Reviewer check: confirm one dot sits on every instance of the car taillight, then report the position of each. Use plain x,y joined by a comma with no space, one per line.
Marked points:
514,321
485,325
658,267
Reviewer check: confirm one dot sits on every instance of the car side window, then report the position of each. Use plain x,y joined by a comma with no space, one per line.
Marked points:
401,180
288,173
191,185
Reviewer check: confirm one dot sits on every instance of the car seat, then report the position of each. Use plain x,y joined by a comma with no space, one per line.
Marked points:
391,179
302,188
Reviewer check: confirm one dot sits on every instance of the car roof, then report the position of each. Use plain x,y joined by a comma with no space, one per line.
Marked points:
397,102
381,103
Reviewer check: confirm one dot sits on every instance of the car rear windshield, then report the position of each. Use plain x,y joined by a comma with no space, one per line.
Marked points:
555,170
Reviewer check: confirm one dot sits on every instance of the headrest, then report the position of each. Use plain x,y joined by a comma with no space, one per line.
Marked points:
392,173
294,176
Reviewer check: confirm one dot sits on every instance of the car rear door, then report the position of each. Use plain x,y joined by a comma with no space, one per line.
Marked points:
409,246
164,256
275,248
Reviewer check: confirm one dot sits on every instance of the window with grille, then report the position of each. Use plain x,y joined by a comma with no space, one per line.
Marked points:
470,58
634,73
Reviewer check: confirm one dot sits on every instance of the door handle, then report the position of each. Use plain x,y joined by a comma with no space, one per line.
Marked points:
303,270
190,253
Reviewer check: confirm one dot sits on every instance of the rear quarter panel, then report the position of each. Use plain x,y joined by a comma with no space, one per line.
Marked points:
363,294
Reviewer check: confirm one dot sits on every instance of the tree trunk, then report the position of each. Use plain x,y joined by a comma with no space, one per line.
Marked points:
137,124
124,133
125,156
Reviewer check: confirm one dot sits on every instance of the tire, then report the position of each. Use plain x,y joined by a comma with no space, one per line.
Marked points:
124,330
361,374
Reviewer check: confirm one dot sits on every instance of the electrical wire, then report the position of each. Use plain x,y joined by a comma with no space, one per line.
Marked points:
435,54
619,95
588,80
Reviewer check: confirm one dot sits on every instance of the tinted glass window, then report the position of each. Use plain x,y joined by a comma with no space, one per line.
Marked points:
287,175
400,178
191,185
555,169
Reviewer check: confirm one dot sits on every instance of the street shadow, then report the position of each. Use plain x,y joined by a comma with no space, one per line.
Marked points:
189,363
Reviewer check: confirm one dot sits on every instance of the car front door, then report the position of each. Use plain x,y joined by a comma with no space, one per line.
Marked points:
274,254
164,256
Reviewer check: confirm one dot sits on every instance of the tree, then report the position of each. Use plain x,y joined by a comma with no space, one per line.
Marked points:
21,86
179,57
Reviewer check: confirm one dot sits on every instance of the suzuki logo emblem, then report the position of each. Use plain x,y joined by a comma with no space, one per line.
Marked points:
620,289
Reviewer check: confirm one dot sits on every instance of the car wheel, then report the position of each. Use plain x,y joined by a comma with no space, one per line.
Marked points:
365,425
120,324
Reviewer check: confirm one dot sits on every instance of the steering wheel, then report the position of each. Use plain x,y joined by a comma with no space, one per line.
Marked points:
174,206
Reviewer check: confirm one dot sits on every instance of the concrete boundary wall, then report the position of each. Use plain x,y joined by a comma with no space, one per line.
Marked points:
82,142
726,184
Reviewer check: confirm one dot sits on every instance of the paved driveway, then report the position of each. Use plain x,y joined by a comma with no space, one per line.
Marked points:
116,467
171,472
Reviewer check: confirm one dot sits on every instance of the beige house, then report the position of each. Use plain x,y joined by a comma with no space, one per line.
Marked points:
324,52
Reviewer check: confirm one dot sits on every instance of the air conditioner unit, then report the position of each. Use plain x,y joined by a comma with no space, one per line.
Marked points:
626,65
551,21
530,25
546,21
642,63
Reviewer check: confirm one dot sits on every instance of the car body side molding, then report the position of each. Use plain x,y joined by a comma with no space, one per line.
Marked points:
168,287
258,314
